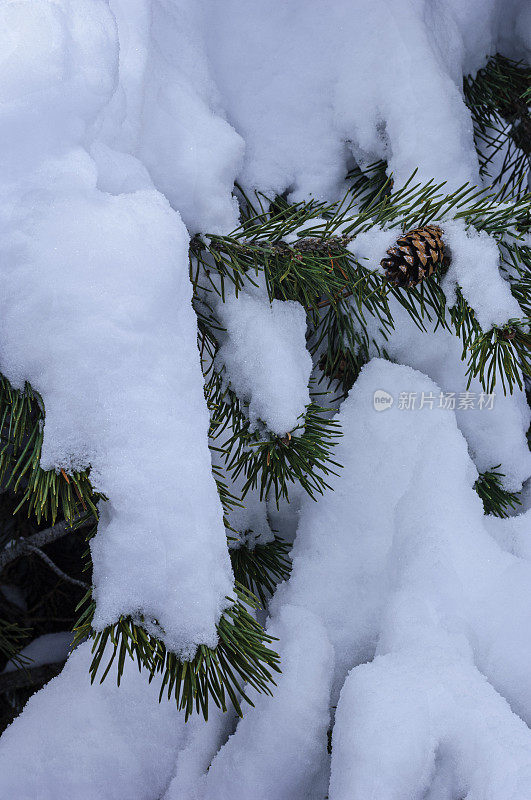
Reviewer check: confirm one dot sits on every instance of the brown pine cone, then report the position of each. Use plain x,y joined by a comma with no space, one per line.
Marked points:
415,256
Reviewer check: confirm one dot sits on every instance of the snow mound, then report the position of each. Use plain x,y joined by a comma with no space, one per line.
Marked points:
400,570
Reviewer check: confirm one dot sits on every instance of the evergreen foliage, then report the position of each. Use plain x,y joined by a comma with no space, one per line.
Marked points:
496,500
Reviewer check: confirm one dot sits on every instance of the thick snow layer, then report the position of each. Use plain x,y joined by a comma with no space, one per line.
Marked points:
46,649
209,92
91,742
105,742
168,112
369,77
398,566
494,428
268,365
435,727
95,312
279,746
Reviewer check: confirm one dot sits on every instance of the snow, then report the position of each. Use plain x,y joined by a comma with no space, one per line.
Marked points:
512,533
104,742
167,110
91,742
318,90
104,280
474,267
45,649
266,359
371,246
279,746
436,728
391,570
496,433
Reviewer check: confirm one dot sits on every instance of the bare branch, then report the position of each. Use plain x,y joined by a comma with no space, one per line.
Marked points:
58,571
21,546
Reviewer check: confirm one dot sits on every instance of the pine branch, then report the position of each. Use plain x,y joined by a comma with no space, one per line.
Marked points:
496,500
218,674
12,637
270,462
498,98
26,676
46,494
49,563
320,270
261,567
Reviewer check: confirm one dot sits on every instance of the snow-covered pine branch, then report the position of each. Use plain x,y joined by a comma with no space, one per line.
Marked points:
265,314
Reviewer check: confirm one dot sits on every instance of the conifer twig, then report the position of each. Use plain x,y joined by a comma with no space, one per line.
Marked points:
58,571
19,547
25,677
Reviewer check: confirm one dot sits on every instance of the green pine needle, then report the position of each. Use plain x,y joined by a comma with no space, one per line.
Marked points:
261,567
242,657
496,500
44,493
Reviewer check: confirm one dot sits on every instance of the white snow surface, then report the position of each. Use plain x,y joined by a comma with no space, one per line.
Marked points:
397,568
496,433
167,110
95,312
91,742
265,355
474,267
105,742
325,81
